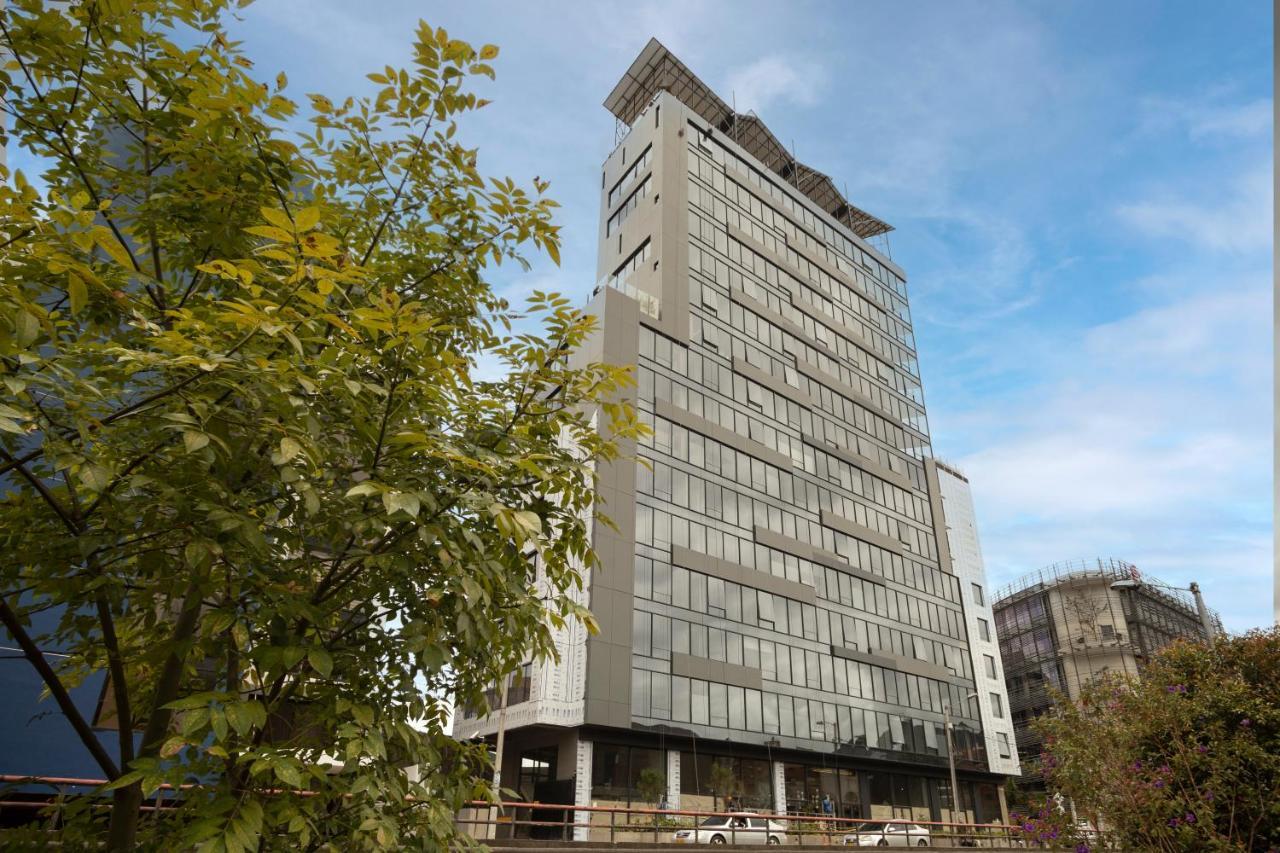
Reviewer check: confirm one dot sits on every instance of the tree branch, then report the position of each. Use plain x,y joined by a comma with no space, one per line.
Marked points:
57,690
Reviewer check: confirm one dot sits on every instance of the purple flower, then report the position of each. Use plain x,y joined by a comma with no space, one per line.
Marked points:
1159,783
1202,749
1189,818
1164,769
1208,795
1028,827
1082,848
1173,821
1137,765
1245,723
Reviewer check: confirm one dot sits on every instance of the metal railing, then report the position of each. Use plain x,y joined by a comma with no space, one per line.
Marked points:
618,824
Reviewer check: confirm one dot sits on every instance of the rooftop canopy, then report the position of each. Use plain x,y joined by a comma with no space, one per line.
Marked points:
657,69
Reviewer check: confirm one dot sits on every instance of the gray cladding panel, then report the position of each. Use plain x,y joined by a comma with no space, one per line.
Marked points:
778,541
666,409
768,380
899,663
859,461
711,670
699,562
857,531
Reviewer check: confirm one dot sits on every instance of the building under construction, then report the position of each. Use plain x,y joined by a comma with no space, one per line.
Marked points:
1067,624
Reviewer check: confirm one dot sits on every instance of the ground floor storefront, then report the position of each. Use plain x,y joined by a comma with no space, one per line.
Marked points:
641,770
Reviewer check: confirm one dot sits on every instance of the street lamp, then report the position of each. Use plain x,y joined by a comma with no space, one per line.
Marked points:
497,760
951,755
769,745
1194,588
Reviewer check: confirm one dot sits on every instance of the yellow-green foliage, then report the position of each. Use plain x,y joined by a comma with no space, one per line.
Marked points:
247,457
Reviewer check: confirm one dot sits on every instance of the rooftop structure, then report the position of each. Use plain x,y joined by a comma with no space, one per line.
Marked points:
658,69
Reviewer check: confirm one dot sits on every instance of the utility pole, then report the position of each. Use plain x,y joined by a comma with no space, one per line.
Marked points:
951,760
951,756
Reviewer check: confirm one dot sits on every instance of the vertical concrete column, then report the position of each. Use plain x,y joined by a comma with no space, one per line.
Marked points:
673,778
1004,805
582,792
779,789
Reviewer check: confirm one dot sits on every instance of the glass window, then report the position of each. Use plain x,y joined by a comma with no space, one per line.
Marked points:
698,693
990,664
984,630
609,772
1003,740
719,706
997,706
978,598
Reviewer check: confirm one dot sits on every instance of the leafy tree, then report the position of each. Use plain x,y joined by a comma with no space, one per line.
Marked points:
247,457
724,783
652,786
1185,759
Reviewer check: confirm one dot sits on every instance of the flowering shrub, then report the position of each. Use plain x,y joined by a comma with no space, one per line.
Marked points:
1185,759
1048,826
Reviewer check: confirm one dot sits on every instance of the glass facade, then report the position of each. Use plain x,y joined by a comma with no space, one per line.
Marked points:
790,445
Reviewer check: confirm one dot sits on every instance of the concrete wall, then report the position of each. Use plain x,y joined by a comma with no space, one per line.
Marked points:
958,544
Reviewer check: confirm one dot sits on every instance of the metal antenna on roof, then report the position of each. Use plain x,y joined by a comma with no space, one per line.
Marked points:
795,164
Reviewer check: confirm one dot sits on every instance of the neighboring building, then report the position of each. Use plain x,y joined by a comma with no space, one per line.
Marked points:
1069,623
984,648
776,596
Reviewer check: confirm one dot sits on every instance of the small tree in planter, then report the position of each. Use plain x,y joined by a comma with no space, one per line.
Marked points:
723,783
652,787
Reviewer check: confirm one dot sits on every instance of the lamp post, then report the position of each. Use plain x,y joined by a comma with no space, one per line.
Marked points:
951,755
1206,623
497,759
773,776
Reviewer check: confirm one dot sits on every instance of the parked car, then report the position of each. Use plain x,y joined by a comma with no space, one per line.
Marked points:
880,834
734,829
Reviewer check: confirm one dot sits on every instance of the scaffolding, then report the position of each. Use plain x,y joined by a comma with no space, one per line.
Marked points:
657,69
1065,625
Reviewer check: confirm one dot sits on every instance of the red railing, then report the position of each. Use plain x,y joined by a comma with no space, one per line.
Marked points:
631,824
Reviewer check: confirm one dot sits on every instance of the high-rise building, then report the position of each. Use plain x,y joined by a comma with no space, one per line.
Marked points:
776,595
1067,624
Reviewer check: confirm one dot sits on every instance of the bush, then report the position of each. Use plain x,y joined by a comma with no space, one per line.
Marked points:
1187,758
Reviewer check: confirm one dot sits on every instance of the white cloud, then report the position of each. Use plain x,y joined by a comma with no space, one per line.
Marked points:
1211,116
1251,119
774,79
1231,217
1144,439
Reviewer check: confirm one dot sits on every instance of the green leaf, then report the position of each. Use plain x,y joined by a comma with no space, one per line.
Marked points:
194,440
77,293
287,772
365,488
401,501
106,239
320,661
289,449
307,218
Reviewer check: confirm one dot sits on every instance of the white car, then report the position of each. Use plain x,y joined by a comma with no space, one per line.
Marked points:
734,829
880,834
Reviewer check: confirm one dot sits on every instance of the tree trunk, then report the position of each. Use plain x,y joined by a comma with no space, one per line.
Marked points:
126,806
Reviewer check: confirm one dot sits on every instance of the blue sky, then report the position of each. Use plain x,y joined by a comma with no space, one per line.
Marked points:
1082,197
